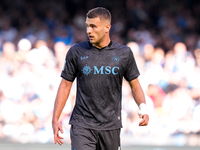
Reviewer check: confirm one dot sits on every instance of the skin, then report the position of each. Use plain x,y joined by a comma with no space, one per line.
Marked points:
98,33
61,99
139,98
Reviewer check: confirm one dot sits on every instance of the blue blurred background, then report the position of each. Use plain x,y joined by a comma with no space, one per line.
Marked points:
163,35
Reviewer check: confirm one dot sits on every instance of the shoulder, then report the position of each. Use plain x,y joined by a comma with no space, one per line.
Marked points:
121,48
78,46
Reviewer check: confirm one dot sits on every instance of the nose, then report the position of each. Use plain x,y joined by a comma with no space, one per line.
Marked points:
88,30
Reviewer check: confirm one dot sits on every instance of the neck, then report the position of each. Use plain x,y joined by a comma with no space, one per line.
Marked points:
102,44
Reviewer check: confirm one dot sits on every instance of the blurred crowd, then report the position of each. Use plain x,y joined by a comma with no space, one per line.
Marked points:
36,35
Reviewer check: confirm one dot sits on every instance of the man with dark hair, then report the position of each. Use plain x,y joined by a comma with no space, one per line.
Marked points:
100,12
99,66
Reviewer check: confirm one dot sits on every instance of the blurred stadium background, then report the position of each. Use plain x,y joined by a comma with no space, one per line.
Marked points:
164,36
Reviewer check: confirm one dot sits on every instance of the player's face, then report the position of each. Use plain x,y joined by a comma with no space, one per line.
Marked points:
96,30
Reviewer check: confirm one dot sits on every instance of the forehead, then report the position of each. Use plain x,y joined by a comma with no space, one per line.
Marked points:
96,20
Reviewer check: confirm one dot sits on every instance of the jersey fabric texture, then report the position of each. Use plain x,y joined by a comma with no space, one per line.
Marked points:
99,74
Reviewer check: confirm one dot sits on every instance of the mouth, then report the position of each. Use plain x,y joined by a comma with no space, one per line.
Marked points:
91,37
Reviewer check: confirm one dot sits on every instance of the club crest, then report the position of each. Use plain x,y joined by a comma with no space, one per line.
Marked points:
115,59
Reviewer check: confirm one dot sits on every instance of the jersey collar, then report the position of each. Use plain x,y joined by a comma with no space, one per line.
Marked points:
109,45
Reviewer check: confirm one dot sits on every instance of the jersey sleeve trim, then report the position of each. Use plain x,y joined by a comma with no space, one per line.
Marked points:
136,76
67,77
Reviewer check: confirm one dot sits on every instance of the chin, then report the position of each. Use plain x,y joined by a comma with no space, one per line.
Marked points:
92,42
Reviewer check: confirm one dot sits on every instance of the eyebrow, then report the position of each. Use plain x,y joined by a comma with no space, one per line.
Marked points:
90,24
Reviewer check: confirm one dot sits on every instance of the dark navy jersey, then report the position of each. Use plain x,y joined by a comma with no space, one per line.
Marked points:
99,74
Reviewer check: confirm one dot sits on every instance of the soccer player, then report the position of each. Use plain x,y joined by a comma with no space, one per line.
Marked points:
99,66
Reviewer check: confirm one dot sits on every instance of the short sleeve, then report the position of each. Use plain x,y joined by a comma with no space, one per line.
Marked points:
69,71
131,71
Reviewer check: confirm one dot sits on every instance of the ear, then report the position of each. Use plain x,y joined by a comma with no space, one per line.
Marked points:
107,28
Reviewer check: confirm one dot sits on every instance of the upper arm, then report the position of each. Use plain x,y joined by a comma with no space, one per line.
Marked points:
135,84
65,84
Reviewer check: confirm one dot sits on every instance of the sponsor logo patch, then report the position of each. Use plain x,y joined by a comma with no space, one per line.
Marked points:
87,70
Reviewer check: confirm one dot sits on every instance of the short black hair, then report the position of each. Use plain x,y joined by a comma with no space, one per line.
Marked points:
100,12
